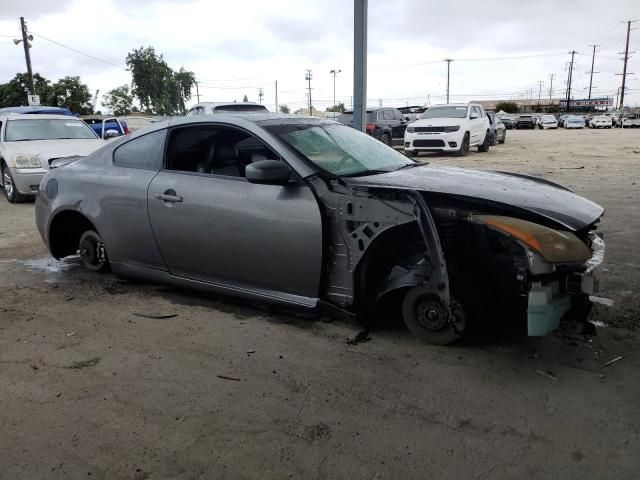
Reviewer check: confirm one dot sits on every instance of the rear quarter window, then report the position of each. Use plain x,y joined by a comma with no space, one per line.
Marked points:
143,152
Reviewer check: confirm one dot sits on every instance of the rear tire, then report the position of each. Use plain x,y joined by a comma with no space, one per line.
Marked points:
386,139
9,186
464,146
503,139
92,252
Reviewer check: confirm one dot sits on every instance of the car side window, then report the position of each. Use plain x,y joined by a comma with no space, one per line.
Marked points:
388,115
380,115
143,152
215,150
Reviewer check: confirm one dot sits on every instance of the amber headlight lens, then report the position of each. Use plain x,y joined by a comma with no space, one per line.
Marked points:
553,245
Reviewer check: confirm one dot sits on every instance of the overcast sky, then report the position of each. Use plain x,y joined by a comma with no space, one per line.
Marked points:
236,47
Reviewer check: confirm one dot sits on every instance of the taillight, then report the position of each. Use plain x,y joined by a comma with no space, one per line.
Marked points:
126,130
371,126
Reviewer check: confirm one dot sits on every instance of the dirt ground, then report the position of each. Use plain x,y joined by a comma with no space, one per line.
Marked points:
227,390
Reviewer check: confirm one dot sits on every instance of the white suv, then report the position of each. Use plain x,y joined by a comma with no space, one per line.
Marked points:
453,127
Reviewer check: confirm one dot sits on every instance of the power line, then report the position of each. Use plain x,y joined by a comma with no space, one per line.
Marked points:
81,53
476,59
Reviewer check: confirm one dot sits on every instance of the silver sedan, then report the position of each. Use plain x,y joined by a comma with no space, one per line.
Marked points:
312,213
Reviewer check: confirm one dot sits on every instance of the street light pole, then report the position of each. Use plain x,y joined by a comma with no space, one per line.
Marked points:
360,9
334,72
448,60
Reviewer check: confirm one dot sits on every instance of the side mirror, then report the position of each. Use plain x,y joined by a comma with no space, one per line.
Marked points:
111,133
473,116
268,172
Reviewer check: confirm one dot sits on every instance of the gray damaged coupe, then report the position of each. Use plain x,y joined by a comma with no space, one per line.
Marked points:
311,213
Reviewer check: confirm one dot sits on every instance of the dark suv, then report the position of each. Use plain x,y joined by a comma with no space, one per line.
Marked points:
525,121
384,124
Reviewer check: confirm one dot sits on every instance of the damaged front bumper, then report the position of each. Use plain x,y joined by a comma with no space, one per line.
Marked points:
551,300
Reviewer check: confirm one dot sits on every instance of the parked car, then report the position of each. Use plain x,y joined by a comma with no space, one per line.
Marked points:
454,127
384,124
310,213
508,121
573,121
136,123
525,121
412,113
43,110
547,121
561,119
30,142
498,130
601,121
630,120
209,108
106,127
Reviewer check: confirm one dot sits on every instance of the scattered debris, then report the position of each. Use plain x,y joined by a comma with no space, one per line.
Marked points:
71,334
249,352
34,367
610,362
361,337
581,167
601,300
226,377
155,317
85,363
602,376
547,374
374,356
59,394
68,299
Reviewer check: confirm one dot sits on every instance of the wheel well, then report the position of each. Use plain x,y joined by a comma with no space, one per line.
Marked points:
65,231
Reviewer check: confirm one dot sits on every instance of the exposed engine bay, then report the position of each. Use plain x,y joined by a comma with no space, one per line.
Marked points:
452,263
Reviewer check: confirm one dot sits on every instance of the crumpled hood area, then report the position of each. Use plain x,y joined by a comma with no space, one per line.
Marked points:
530,194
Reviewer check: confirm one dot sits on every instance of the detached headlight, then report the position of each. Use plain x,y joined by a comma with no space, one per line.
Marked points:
411,129
27,161
452,129
553,245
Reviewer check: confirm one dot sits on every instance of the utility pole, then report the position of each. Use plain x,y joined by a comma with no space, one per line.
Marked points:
308,76
448,60
624,69
260,95
198,92
334,72
25,43
360,13
380,102
573,53
593,58
277,96
551,84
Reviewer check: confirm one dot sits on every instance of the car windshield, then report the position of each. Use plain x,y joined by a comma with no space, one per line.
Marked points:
549,118
339,149
240,108
47,129
445,112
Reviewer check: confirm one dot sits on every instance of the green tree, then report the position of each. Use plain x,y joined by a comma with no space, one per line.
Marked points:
119,100
158,88
509,107
337,108
14,92
245,99
285,109
70,92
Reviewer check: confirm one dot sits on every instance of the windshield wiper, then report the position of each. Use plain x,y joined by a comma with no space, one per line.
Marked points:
363,173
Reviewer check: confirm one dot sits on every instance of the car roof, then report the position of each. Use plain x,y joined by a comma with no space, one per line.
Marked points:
454,105
37,116
33,109
224,104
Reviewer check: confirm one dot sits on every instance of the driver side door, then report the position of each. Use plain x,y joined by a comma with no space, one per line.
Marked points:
214,226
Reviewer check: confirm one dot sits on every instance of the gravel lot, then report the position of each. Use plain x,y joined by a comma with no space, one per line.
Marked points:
88,388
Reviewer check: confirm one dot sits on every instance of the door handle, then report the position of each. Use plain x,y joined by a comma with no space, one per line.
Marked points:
168,197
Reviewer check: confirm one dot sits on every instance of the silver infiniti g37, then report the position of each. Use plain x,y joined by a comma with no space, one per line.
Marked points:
312,213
